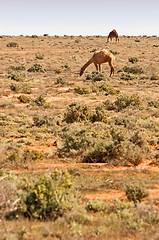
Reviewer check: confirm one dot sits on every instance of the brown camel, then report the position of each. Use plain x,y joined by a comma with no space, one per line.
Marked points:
113,34
98,58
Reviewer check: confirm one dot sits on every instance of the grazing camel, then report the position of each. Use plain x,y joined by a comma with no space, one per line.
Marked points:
98,58
113,34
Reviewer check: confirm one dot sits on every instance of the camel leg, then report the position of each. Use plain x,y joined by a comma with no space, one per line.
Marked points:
96,65
112,69
100,68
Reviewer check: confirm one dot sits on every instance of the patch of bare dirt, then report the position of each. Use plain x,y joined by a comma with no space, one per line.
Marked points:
110,195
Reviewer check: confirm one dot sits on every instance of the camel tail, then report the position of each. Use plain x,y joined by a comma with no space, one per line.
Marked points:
85,66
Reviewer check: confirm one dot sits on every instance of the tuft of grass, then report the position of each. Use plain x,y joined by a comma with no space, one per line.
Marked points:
12,44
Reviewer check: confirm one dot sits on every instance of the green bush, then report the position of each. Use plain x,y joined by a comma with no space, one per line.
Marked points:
40,101
59,80
77,112
118,148
43,120
135,193
109,105
17,76
75,142
20,88
18,156
105,87
134,70
154,77
58,70
96,205
125,101
133,60
18,68
50,197
96,77
99,115
32,155
34,36
77,40
82,90
127,76
153,103
24,99
36,68
39,56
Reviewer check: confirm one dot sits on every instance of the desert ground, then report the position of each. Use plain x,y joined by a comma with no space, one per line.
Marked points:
88,143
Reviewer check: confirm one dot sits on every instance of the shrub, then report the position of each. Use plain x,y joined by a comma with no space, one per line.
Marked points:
32,155
40,101
24,99
75,142
15,87
113,52
12,44
36,68
96,77
153,103
125,101
17,76
34,36
106,87
18,156
39,56
118,148
135,193
76,112
109,105
59,80
134,70
77,40
20,88
127,76
50,197
82,90
42,120
133,60
154,77
99,115
18,68
96,205
58,70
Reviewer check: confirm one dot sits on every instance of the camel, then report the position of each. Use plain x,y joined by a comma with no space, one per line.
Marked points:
98,58
113,34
